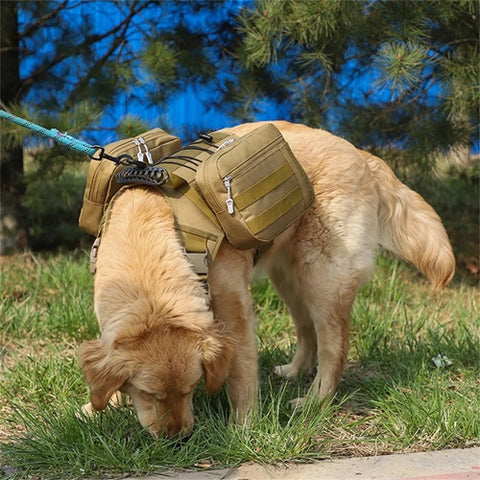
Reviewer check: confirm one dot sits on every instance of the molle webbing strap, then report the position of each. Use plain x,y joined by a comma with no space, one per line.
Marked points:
277,210
182,165
263,186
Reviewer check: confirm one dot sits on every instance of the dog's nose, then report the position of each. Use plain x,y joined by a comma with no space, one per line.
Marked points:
178,431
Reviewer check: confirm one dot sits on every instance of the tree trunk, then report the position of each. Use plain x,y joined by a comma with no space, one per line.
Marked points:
12,217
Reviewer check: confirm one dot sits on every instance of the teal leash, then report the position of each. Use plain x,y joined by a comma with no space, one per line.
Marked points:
136,172
70,142
63,138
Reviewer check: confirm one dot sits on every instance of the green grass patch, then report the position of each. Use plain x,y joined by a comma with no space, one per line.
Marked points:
391,398
46,297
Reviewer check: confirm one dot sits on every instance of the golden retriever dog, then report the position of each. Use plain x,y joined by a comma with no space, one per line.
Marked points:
160,330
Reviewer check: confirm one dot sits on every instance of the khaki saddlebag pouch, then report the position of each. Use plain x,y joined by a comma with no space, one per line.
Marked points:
101,185
255,186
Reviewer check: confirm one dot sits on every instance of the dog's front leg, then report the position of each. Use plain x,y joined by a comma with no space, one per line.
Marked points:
242,383
232,305
117,400
237,314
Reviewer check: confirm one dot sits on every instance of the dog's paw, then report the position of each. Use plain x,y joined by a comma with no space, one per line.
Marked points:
285,371
119,399
87,410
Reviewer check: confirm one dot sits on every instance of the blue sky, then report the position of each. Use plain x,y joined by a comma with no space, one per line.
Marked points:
186,110
190,108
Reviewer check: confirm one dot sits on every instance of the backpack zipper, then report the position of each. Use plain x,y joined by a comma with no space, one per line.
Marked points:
230,205
136,141
147,151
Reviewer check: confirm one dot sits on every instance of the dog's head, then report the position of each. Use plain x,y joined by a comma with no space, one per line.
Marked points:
159,368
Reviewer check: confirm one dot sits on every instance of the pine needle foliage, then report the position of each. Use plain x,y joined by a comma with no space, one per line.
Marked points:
382,73
399,78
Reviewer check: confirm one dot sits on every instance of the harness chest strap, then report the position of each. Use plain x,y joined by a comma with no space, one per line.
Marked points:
196,224
197,227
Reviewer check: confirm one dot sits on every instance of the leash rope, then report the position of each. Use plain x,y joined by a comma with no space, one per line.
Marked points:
63,138
136,171
67,140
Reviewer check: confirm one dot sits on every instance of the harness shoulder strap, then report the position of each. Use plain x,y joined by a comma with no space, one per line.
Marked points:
199,229
183,164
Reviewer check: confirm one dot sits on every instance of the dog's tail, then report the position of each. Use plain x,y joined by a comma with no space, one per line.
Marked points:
409,227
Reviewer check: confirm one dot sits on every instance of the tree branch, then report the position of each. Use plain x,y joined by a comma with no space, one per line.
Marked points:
88,41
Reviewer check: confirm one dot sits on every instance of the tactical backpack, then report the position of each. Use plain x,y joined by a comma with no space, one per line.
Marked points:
249,189
101,185
255,186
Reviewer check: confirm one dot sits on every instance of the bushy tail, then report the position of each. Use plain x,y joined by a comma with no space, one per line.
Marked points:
409,227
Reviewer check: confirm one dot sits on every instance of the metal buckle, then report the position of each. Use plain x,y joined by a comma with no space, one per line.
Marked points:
101,155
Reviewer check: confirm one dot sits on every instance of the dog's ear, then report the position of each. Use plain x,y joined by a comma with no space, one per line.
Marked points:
103,377
218,351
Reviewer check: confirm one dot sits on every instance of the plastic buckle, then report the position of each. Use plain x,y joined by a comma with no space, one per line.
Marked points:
198,262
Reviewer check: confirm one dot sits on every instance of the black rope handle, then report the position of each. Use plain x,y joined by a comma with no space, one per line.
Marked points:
143,175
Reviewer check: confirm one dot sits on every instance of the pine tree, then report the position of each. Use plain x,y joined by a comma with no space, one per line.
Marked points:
383,73
60,69
12,186
78,60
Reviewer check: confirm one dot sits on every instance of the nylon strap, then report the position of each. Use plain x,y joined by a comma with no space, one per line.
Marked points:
180,165
196,198
264,186
197,225
269,216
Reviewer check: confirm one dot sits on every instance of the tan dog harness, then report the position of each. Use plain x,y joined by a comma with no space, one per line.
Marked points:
247,189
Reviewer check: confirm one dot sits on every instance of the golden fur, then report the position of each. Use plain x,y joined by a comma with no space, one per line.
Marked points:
160,333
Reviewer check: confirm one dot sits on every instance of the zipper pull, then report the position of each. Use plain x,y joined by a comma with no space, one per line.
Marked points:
230,205
147,151
225,143
140,153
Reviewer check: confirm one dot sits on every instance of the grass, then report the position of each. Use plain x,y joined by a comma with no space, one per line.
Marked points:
392,398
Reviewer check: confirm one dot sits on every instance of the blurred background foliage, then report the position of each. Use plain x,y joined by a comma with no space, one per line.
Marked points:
399,78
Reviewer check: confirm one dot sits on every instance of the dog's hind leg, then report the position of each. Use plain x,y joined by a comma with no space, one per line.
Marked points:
328,290
306,351
319,281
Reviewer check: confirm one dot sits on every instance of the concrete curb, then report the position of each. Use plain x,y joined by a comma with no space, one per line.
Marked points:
460,464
